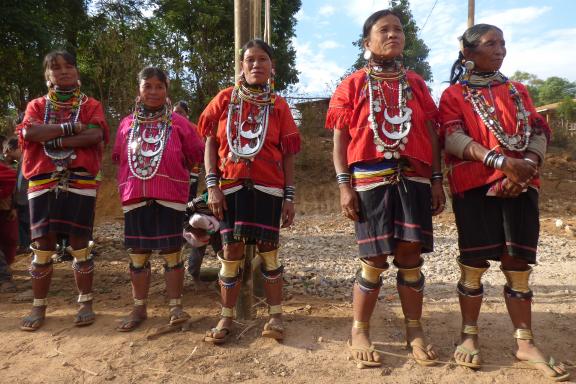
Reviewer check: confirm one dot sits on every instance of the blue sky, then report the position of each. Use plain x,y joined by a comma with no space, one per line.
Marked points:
540,37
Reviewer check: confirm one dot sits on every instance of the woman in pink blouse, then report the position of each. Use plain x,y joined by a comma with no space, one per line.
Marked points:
154,150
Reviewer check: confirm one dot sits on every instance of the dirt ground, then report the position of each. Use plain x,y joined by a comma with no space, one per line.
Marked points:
317,327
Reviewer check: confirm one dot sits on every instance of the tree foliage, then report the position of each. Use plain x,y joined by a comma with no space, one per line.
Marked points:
567,109
28,30
551,90
204,32
555,89
415,50
114,39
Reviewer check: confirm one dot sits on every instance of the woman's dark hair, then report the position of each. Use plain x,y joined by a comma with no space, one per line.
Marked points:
373,19
11,143
258,43
51,57
150,72
470,39
184,105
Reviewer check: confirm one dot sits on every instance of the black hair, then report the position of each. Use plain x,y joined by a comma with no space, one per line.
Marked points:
184,105
11,143
258,43
373,19
470,39
150,72
51,57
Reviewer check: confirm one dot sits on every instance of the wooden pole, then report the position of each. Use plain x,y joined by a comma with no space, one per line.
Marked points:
470,13
267,23
256,19
242,32
241,29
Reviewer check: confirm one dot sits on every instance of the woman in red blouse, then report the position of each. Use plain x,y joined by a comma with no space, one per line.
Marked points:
61,138
495,143
251,140
387,162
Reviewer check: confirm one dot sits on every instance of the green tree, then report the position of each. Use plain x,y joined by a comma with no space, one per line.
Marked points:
113,48
28,30
203,31
555,89
567,109
415,50
532,82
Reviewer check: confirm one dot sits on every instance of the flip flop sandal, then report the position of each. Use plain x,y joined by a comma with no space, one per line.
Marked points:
423,362
469,352
360,364
184,317
209,338
272,331
39,320
84,319
551,364
134,323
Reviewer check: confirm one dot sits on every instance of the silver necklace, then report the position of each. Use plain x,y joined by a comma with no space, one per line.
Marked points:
60,157
246,137
146,143
401,123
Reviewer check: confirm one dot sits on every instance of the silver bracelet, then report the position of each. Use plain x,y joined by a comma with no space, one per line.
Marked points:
499,162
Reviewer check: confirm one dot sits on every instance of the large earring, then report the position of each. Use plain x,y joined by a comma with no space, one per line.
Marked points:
49,84
240,79
272,85
367,54
79,83
469,65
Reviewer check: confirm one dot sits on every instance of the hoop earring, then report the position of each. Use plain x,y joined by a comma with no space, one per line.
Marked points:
469,65
367,54
49,84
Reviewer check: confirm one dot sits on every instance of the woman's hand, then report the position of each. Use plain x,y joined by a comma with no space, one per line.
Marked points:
79,127
511,189
217,202
438,197
519,171
288,213
349,202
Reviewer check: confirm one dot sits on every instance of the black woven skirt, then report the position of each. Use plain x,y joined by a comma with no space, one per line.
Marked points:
393,213
252,216
62,212
488,226
153,226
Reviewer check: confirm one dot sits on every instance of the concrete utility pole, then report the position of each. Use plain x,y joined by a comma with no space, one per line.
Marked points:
470,13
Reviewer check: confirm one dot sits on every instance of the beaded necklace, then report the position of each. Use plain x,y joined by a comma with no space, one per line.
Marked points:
55,112
246,136
147,140
518,141
394,140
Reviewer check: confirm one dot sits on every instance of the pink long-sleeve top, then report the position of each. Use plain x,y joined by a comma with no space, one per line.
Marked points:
183,148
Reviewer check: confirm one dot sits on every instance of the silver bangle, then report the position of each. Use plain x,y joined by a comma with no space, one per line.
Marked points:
531,161
499,162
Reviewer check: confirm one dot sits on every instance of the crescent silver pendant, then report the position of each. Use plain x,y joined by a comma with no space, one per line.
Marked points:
398,119
152,152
